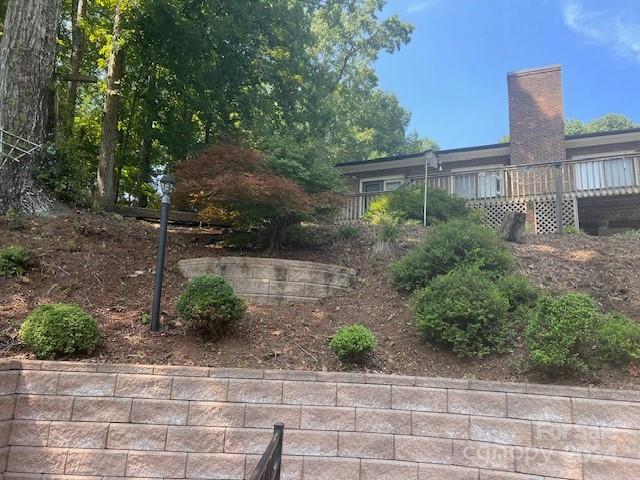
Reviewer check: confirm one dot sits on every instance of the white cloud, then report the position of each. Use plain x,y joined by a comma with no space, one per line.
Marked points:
422,6
616,31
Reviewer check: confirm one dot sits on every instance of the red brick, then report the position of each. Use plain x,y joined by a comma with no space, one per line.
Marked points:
388,470
331,468
165,412
382,421
33,381
7,407
144,386
483,455
96,462
423,449
96,409
87,384
78,435
610,468
539,407
573,438
441,425
500,430
137,437
428,471
365,445
606,414
9,382
309,393
265,416
188,388
374,396
328,418
620,442
29,433
36,460
215,465
551,463
216,414
254,391
493,404
247,440
195,439
156,464
419,398
308,442
36,407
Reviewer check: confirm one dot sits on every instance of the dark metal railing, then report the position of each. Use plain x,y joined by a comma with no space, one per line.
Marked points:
268,467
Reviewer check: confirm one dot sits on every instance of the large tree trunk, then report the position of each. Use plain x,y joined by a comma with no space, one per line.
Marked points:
27,58
105,193
79,11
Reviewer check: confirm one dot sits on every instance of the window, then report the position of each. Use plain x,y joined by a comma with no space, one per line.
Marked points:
599,174
465,186
488,184
392,185
477,185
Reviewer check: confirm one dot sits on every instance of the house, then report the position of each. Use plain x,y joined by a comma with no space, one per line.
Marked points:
589,181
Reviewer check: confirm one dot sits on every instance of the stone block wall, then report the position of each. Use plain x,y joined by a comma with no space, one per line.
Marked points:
273,280
91,421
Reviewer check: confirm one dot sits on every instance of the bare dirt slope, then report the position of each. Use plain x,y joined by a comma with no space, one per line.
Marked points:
106,265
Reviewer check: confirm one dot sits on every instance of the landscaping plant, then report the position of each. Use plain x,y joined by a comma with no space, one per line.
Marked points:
13,261
59,329
618,339
520,292
465,310
209,305
560,333
353,343
448,245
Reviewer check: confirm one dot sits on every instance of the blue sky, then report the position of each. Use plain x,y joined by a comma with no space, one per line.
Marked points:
452,75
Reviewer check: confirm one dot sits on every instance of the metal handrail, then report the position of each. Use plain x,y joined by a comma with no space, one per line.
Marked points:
269,466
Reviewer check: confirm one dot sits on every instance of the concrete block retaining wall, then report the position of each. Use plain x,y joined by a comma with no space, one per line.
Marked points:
71,420
273,280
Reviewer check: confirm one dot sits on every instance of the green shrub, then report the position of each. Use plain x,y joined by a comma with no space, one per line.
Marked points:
560,332
463,309
571,230
519,291
448,245
13,261
349,232
209,305
378,211
353,343
59,329
14,218
631,234
618,340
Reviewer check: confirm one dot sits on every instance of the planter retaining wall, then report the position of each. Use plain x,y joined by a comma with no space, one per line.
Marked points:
69,420
273,280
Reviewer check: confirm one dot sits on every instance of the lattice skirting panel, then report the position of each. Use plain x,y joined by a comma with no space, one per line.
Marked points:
544,213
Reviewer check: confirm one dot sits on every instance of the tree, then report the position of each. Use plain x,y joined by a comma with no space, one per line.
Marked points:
78,14
27,59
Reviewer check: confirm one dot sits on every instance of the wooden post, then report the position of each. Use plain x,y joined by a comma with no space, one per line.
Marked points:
559,196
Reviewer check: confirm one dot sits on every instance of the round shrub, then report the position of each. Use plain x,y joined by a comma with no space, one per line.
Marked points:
618,340
13,261
560,332
519,291
353,343
59,329
209,305
465,310
448,245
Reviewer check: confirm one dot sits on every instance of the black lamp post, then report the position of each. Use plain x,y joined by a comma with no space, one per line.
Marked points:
166,187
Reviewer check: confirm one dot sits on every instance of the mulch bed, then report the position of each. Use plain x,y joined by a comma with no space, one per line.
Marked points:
106,265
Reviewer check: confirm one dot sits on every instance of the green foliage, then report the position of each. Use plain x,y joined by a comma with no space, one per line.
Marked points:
349,232
301,237
14,218
618,340
571,230
606,123
560,333
631,234
59,329
519,291
353,343
14,260
406,204
389,233
448,245
464,309
208,304
68,173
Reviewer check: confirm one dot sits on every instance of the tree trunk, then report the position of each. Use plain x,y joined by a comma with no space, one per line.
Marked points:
513,225
105,193
27,59
79,11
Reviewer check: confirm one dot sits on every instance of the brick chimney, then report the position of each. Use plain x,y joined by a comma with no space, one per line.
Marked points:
536,115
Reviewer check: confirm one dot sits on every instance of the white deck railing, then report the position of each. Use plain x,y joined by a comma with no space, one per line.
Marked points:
592,177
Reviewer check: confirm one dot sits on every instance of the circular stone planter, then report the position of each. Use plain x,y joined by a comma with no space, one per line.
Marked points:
273,281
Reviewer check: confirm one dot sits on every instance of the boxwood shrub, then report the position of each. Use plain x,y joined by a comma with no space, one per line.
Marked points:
353,343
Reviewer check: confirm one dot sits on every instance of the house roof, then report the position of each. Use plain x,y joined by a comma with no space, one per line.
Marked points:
499,147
